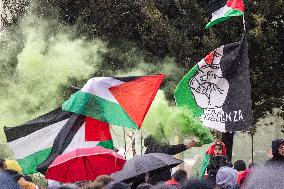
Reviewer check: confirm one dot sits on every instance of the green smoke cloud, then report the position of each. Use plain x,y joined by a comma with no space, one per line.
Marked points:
164,122
38,60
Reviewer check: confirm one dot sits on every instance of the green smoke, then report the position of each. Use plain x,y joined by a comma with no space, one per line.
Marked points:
164,122
39,61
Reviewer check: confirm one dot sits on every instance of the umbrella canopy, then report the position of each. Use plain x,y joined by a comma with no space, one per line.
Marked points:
141,164
84,164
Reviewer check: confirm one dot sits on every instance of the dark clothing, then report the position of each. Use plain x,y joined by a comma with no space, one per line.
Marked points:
277,159
154,147
215,163
275,162
6,182
166,149
13,174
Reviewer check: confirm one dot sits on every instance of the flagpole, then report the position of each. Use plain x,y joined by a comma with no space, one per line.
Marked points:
244,23
141,142
124,138
132,138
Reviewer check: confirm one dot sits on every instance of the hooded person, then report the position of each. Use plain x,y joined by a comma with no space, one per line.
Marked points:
214,158
226,178
208,155
277,152
154,146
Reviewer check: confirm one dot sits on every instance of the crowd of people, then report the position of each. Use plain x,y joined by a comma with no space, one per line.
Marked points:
217,172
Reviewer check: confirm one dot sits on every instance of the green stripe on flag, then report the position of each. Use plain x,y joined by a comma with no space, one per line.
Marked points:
98,108
227,15
30,163
184,96
106,144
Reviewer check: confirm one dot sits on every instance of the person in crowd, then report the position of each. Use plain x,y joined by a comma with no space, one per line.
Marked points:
94,185
6,182
226,178
178,178
104,179
3,165
196,184
240,165
117,185
217,161
164,186
277,152
242,177
218,148
265,177
16,177
153,146
144,186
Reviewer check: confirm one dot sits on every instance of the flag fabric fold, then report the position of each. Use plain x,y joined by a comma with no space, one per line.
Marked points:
122,101
42,139
222,12
218,89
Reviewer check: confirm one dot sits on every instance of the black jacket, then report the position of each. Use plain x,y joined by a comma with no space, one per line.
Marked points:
277,159
155,147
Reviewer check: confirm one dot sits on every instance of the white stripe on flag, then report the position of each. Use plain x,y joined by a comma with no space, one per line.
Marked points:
99,86
220,12
79,141
36,141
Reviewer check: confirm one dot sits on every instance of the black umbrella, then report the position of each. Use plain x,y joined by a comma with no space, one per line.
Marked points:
141,164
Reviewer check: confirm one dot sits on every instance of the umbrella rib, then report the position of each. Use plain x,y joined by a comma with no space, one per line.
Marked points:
85,162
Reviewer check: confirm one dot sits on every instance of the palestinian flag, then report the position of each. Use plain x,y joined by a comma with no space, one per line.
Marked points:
41,140
223,10
122,101
218,89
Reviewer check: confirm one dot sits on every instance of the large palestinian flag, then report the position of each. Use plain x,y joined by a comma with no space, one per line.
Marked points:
223,10
218,89
122,101
41,140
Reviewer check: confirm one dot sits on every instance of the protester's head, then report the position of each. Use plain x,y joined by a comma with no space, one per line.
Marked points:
265,177
226,178
196,184
180,176
104,179
117,185
144,186
218,148
3,165
278,148
240,165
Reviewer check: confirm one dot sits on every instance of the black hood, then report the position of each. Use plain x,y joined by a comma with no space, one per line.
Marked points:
275,145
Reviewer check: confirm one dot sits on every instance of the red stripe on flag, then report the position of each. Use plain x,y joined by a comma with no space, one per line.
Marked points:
136,96
236,4
96,130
